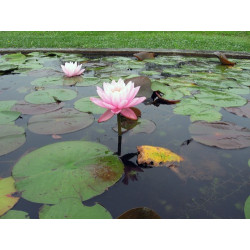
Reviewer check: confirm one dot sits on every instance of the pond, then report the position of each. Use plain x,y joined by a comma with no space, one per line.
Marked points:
57,161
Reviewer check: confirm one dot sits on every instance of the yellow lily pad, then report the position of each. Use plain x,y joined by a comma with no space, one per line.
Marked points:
157,156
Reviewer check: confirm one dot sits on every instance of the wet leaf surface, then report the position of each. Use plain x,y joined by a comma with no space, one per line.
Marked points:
50,96
243,111
220,134
72,169
32,109
15,214
156,156
7,191
60,122
140,213
73,209
11,138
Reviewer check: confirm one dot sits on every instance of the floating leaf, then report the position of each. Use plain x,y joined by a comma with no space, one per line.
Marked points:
50,96
140,213
60,122
243,111
73,209
223,59
221,99
7,67
85,105
7,191
6,105
32,109
144,55
247,208
15,214
71,169
143,126
144,83
17,58
220,134
150,73
8,116
48,81
11,138
156,156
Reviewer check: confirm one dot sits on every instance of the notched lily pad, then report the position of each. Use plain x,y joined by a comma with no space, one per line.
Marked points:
157,156
34,109
7,194
11,138
140,213
60,122
220,134
73,209
8,116
71,169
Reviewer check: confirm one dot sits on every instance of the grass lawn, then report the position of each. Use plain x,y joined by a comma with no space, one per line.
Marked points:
201,40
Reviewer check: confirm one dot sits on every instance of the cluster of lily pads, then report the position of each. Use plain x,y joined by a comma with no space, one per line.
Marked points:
63,175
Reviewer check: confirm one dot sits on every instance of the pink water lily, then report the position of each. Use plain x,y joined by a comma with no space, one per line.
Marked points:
117,97
72,69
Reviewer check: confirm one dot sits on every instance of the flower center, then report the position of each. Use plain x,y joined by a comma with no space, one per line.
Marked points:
116,89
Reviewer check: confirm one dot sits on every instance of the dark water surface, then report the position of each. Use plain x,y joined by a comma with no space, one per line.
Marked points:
198,193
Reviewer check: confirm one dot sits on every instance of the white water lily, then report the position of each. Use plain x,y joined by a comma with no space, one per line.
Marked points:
72,69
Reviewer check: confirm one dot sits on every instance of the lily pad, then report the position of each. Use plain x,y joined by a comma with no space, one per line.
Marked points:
8,116
156,156
50,96
144,55
220,134
11,138
144,83
60,122
6,105
140,213
7,67
15,214
150,73
71,169
88,81
243,111
221,99
34,109
48,81
7,197
247,208
17,58
85,105
73,209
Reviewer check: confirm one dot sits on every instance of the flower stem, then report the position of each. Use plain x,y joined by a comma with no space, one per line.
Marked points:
119,134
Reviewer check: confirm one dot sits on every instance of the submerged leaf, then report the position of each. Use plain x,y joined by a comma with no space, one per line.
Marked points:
140,213
243,111
156,156
7,190
220,134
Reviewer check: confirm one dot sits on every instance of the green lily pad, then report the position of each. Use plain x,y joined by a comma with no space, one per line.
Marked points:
48,81
220,134
73,209
11,138
247,208
150,73
50,96
8,116
6,105
85,105
17,58
7,190
60,122
73,58
7,67
71,169
198,111
221,99
89,81
15,214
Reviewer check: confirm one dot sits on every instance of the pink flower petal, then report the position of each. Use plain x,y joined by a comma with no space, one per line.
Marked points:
106,116
135,101
129,113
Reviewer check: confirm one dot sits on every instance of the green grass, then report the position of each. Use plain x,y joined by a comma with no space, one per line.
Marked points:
201,40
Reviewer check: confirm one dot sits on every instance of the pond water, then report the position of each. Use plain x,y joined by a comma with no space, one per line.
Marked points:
213,181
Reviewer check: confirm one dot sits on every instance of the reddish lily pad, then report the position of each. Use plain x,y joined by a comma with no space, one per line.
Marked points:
243,111
11,138
220,134
60,122
140,213
7,194
223,59
32,109
144,55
